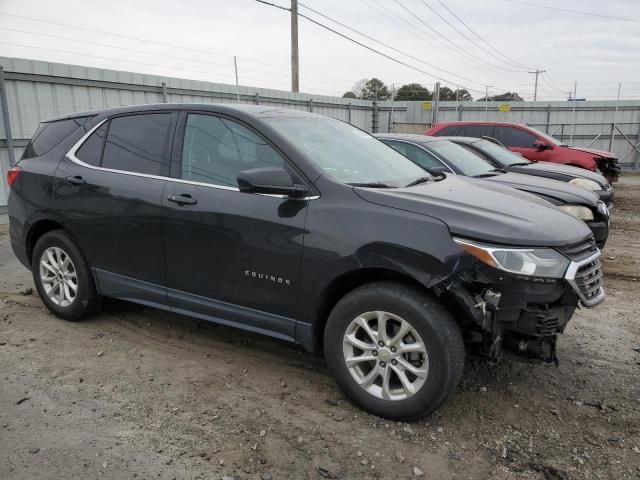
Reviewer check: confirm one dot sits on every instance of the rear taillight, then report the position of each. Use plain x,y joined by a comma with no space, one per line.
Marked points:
12,175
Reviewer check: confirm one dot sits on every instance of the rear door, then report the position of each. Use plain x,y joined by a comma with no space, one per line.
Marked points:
521,141
231,255
478,130
109,191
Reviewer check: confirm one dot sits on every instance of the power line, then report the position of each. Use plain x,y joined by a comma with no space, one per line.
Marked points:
464,35
484,62
417,31
479,37
384,44
381,53
579,12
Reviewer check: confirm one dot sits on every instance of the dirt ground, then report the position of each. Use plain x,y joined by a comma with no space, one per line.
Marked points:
139,393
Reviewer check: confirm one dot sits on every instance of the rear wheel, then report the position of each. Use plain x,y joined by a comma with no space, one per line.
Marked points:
394,350
62,276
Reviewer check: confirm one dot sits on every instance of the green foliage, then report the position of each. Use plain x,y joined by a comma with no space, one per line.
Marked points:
349,94
375,89
413,92
503,97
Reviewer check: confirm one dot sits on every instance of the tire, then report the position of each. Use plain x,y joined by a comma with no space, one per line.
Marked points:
74,305
432,326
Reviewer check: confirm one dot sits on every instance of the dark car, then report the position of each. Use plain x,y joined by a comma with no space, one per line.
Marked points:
533,145
300,227
508,161
438,153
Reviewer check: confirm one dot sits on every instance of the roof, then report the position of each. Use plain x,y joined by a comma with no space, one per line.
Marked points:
262,111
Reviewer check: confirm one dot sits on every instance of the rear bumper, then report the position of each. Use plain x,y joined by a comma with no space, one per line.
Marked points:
21,253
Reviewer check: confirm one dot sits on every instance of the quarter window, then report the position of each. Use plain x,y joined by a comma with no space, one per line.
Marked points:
515,137
216,150
91,150
138,143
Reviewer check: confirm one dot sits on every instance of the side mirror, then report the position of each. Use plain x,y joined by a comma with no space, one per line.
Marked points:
270,180
540,145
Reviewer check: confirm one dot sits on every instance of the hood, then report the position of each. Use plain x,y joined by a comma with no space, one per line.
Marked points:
569,171
599,153
556,192
484,211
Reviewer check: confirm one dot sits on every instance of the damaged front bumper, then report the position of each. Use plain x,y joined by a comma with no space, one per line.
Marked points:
503,313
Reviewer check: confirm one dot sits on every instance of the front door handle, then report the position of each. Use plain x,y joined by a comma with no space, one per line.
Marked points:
183,199
76,180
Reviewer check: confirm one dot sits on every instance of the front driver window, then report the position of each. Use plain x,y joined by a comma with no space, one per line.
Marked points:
515,137
216,150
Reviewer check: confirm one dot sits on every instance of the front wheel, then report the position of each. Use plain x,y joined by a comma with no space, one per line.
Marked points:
394,350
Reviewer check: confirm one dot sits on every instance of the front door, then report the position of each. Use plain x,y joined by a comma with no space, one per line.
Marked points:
521,141
232,256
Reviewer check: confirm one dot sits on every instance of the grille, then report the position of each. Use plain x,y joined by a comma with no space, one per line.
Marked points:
588,281
581,250
547,326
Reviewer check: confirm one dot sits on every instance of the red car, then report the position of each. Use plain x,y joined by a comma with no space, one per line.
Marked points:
532,144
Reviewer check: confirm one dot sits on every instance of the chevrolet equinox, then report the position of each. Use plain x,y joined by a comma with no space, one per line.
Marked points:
304,228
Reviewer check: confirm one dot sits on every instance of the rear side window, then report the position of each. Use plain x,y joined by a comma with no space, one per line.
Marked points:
515,137
477,131
216,150
50,134
91,150
138,143
450,131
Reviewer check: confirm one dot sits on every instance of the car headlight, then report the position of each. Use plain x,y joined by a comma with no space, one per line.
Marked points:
535,262
586,184
578,211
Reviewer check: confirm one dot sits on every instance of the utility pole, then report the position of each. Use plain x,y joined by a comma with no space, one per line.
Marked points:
535,88
235,68
486,101
573,122
295,78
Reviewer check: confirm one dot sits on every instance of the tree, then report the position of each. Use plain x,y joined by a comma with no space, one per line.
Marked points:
503,97
359,87
413,92
375,89
447,93
349,94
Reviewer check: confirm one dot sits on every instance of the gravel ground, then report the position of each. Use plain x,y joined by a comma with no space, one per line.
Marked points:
139,393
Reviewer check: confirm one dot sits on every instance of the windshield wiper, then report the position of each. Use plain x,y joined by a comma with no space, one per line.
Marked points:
519,164
418,181
490,173
370,185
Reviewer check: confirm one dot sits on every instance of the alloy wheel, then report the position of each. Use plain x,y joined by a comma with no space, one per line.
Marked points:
59,277
385,355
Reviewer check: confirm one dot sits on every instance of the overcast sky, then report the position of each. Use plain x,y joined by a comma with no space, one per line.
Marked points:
596,52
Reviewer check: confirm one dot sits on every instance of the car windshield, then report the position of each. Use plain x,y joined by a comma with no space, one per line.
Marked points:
501,155
346,153
547,137
465,161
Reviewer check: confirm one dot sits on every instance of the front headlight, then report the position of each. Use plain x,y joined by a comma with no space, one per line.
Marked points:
578,211
585,183
535,262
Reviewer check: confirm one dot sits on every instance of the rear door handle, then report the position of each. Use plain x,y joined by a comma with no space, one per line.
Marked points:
183,199
76,180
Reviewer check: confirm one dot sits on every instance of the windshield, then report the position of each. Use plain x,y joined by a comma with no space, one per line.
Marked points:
501,155
547,137
346,153
464,161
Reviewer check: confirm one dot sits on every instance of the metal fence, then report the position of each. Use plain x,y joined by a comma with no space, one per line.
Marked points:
36,91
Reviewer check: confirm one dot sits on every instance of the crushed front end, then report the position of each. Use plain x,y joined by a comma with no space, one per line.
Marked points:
609,167
505,313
